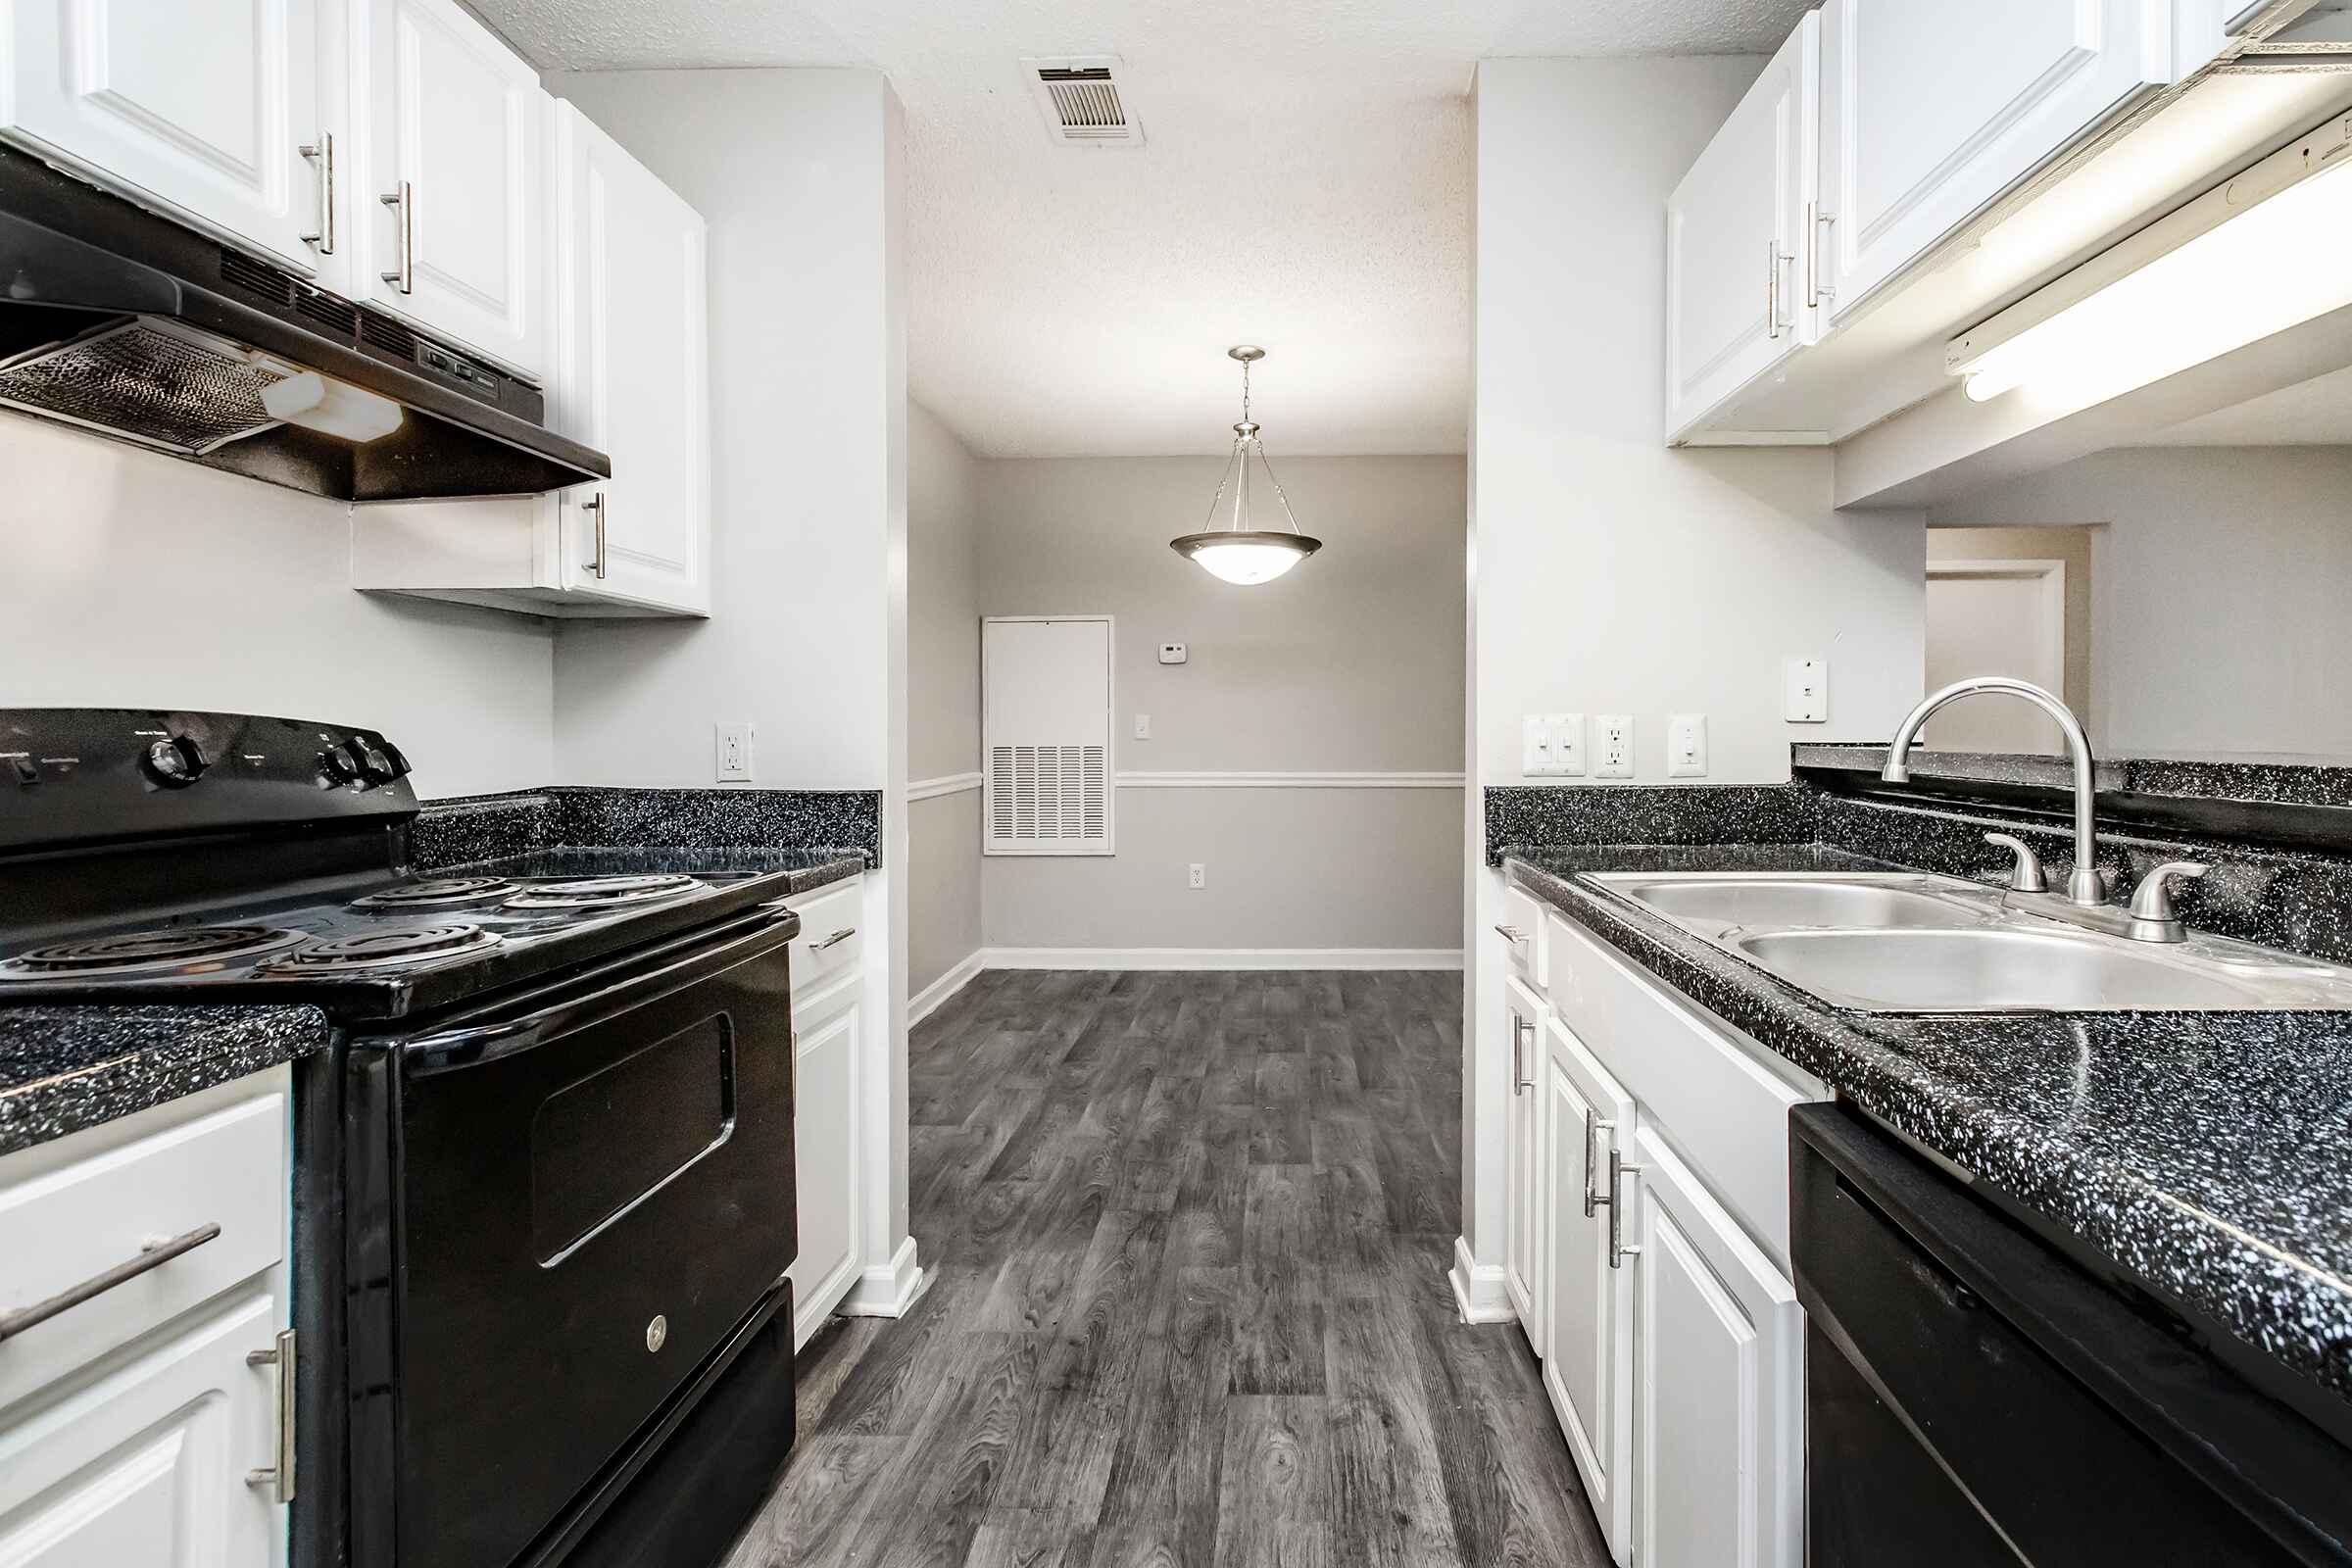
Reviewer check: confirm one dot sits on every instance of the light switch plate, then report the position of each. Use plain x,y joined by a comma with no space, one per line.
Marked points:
1808,690
1172,654
1613,745
734,742
1567,744
1687,746
1537,759
1143,726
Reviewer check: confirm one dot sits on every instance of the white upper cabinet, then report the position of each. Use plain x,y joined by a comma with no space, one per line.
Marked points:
630,375
197,108
1735,233
1930,111
450,205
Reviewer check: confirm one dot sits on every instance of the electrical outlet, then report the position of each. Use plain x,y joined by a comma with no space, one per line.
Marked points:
1537,755
1687,746
1196,875
1567,744
1613,743
1172,654
734,753
1143,726
1808,701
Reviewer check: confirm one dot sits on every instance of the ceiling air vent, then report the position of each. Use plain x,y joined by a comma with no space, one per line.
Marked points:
1081,101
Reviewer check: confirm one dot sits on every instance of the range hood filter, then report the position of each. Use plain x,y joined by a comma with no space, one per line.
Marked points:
148,380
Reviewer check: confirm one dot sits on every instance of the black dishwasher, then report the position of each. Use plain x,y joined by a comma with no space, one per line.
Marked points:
1974,1398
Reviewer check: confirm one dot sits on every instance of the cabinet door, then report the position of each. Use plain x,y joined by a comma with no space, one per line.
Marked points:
148,1464
1718,1381
824,1104
630,374
1931,110
198,109
1734,301
450,216
1523,1172
1587,1367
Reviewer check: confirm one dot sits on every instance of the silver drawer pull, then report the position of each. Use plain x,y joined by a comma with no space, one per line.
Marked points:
1618,1250
1511,933
280,1476
838,937
153,1255
1593,1200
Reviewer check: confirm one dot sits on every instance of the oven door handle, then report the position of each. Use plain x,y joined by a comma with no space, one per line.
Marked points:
452,1050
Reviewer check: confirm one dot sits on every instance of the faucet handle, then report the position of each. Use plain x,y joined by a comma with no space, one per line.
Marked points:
2152,900
2027,875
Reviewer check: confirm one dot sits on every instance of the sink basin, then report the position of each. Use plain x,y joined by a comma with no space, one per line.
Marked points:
1875,903
1987,970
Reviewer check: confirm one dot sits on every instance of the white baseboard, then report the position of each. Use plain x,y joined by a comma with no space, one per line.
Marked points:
1478,1289
926,1002
1221,958
889,1290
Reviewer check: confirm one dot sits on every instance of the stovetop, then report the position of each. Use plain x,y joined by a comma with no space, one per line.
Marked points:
379,947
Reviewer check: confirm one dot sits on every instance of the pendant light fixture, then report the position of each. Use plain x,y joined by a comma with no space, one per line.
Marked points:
1236,550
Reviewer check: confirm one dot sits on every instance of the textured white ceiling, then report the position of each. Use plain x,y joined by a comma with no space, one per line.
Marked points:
1306,184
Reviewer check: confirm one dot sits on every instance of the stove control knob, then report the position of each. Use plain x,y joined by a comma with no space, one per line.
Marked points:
336,768
369,762
396,756
175,763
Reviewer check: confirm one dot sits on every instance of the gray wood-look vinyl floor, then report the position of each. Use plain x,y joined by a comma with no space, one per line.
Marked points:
1189,1310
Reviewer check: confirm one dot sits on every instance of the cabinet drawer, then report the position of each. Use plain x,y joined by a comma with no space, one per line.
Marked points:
1522,933
75,1218
830,943
1711,1094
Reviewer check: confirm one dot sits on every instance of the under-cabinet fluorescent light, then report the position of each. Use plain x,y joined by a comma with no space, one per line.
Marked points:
2243,261
331,408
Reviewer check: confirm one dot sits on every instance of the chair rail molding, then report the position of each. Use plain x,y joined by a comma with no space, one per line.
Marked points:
1288,781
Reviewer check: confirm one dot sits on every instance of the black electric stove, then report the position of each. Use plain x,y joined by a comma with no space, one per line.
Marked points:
545,1177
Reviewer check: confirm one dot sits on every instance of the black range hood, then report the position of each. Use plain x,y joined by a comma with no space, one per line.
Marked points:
117,321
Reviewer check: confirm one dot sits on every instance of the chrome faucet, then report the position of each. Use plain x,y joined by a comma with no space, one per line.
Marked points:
2150,917
2083,884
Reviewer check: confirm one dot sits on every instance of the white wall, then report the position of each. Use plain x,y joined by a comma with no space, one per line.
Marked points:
1613,574
1353,662
943,697
797,173
136,580
2219,588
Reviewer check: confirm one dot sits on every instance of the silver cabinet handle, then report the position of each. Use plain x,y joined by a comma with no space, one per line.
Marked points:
153,1255
1521,1028
404,202
603,509
321,153
278,1477
835,939
1593,1200
1511,933
1618,1250
1772,288
1815,289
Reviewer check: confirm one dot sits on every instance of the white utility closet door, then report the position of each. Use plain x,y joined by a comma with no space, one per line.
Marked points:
1996,617
1046,727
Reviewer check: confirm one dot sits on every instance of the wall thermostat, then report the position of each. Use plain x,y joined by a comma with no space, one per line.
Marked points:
1171,652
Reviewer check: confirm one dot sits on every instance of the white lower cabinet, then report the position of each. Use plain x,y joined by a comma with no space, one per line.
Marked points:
1718,1388
1589,1285
141,1423
828,1026
1651,1232
1524,1192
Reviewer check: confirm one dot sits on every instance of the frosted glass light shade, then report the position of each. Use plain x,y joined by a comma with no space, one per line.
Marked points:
1247,558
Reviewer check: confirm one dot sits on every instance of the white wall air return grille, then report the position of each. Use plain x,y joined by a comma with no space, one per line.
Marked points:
1046,713
1082,101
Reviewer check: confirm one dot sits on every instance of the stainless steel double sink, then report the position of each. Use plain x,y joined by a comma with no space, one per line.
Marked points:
1911,942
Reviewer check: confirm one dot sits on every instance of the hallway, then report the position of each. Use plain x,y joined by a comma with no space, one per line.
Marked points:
1189,1233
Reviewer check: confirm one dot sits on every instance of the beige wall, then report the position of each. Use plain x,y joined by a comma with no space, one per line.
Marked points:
2219,592
135,580
943,697
2069,544
1350,664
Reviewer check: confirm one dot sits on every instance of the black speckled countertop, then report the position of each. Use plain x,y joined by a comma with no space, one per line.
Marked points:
2207,1156
802,869
63,1069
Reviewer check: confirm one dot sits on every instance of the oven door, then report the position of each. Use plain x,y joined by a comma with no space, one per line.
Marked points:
586,1193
